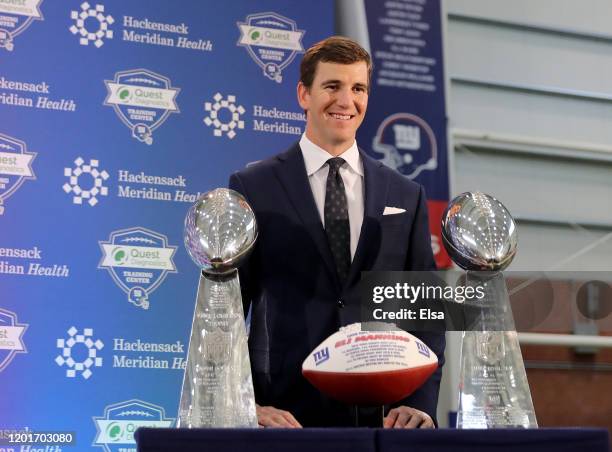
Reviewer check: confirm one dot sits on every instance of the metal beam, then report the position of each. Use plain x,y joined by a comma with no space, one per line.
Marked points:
536,28
535,146
565,340
556,91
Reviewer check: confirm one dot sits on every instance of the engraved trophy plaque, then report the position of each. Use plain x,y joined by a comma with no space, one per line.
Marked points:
220,231
480,236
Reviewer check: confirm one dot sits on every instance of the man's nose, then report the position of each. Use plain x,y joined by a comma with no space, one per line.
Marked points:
344,98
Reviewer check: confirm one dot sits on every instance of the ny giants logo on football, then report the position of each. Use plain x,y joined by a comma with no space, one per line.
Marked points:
422,348
320,356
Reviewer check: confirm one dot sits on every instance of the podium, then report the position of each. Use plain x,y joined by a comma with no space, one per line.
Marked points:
373,440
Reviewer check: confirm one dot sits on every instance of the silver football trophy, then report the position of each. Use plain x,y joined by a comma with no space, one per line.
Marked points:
480,236
220,231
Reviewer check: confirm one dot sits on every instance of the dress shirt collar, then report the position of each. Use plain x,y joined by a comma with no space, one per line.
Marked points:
315,157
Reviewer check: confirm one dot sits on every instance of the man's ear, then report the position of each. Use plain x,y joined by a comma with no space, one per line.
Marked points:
303,95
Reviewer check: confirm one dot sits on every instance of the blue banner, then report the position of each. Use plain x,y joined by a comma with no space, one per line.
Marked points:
114,117
405,126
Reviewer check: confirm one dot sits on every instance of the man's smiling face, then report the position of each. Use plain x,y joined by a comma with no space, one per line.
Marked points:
335,103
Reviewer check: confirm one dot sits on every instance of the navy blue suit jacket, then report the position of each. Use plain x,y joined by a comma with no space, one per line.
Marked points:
292,286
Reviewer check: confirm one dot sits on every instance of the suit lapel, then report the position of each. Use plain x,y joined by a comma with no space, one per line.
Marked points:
292,175
376,184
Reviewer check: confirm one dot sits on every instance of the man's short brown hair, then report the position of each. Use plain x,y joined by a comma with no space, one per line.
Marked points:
336,49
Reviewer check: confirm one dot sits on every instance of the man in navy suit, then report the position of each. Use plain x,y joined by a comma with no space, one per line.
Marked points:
326,212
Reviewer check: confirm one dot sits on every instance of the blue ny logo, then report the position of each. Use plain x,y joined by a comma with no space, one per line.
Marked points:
320,356
423,350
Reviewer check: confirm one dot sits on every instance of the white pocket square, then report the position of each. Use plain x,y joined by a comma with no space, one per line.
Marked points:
393,210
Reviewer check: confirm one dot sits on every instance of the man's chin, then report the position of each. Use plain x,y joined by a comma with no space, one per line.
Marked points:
342,141
341,134
346,138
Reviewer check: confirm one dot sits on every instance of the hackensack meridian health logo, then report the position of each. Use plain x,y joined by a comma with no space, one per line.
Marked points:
85,181
11,337
79,352
115,429
16,17
224,115
143,100
272,41
91,24
15,166
138,260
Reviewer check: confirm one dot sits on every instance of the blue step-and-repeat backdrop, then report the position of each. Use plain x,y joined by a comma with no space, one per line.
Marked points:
114,116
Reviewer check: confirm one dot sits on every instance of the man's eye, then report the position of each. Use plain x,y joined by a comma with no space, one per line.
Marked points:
332,87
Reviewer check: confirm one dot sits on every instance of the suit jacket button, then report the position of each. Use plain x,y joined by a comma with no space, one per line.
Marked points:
340,303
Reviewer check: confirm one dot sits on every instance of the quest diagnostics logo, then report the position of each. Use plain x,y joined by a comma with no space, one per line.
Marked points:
272,41
138,260
143,100
11,337
15,17
15,166
120,256
124,94
115,429
91,24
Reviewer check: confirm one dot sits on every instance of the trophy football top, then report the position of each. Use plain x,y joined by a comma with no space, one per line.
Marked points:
478,232
220,230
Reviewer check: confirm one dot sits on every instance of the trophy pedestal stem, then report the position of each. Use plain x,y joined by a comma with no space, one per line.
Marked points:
217,387
493,391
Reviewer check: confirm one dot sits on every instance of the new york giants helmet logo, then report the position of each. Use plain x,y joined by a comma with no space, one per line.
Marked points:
407,143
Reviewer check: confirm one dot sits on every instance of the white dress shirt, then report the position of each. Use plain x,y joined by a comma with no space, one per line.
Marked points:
351,172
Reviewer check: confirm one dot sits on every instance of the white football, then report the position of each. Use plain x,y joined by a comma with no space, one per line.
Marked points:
369,367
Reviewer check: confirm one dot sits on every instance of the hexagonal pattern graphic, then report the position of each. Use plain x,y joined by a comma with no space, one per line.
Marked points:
65,358
213,118
90,193
97,34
